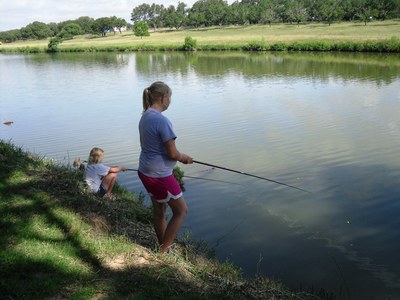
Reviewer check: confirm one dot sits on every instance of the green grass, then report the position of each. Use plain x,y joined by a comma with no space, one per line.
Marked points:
275,37
58,241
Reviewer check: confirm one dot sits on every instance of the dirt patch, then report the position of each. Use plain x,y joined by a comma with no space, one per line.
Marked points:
124,261
99,223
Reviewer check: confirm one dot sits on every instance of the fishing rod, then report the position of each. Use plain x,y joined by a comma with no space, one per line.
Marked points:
251,175
194,177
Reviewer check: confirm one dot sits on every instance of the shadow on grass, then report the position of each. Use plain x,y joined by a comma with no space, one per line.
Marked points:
45,254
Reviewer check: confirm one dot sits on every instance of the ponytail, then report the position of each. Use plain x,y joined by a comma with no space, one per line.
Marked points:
146,99
154,93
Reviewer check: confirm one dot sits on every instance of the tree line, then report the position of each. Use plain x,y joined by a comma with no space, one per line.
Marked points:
64,30
205,13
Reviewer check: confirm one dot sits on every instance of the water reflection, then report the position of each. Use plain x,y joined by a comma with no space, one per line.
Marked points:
324,122
382,69
82,59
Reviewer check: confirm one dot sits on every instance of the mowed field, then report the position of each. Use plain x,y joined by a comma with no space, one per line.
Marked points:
235,35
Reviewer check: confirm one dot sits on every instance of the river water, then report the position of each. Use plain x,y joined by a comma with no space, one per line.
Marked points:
327,123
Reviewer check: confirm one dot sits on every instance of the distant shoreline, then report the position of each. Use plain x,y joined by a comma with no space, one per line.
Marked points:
379,36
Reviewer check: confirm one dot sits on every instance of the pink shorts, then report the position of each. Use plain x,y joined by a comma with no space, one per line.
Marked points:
161,189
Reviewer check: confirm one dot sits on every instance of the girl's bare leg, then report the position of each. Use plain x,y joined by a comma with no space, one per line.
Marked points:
160,222
109,182
179,212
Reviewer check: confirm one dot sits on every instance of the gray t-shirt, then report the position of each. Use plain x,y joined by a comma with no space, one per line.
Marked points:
155,129
94,174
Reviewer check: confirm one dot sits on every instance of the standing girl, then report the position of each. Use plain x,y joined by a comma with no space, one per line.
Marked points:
158,158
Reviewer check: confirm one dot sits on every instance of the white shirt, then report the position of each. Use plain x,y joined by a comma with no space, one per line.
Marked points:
94,174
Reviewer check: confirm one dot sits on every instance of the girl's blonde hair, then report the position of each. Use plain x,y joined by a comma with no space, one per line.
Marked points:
96,156
154,93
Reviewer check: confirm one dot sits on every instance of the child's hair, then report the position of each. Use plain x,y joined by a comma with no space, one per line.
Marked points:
154,93
96,156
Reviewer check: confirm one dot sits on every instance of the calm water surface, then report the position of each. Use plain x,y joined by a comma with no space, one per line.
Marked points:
328,123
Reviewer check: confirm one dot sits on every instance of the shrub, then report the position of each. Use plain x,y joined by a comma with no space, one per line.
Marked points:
255,46
278,46
320,46
346,46
28,49
53,44
190,44
393,45
178,174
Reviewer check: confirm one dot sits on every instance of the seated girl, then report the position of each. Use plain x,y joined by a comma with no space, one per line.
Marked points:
99,177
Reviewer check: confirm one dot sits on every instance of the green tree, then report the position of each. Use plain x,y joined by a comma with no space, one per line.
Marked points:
156,16
70,30
102,25
216,12
141,29
141,13
41,30
296,11
182,9
385,7
267,12
86,24
175,18
196,15
331,11
170,17
54,28
252,11
36,30
314,9
237,14
119,23
350,9
396,11
152,14
208,13
26,33
365,10
10,36
281,10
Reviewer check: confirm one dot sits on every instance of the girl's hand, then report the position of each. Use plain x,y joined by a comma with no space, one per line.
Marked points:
185,159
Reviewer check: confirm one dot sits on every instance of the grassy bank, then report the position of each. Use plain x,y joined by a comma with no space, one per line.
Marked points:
356,37
58,241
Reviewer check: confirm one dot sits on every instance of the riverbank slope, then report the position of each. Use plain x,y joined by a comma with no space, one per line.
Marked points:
58,241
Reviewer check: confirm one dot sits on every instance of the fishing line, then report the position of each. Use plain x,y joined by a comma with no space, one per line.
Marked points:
195,177
208,179
227,234
251,175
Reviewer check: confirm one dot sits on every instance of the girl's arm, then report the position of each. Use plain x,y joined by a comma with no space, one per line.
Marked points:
117,169
174,154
